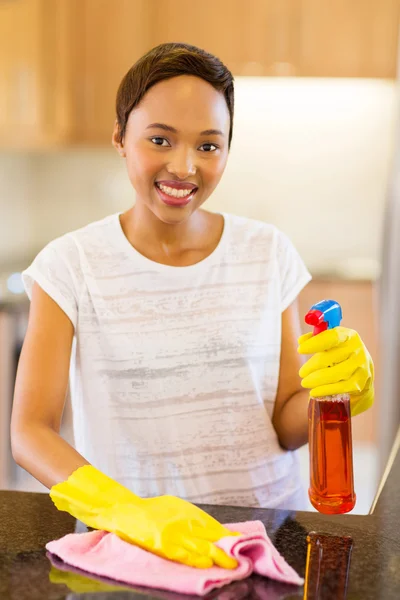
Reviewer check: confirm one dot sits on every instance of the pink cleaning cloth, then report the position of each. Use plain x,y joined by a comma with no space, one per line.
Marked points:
105,554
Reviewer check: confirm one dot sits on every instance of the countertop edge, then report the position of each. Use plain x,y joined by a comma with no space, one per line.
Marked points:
387,472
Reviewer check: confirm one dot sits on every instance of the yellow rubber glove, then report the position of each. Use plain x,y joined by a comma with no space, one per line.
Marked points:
340,364
167,526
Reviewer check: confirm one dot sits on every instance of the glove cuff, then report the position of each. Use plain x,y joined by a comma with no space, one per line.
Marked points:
361,402
88,491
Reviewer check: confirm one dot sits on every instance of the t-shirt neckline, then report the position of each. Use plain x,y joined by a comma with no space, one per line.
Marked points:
172,269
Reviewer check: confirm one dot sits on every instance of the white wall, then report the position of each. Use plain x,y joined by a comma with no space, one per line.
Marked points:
17,193
312,156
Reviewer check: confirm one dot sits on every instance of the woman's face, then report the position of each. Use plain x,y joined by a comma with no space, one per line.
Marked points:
176,146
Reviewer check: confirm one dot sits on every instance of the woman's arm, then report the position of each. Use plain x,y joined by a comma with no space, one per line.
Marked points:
290,416
162,525
40,392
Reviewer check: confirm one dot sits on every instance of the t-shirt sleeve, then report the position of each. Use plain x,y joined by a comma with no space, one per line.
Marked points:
293,273
56,269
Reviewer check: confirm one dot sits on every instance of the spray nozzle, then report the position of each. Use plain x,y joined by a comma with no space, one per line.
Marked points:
324,315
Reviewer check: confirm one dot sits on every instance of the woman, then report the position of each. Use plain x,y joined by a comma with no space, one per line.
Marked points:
181,325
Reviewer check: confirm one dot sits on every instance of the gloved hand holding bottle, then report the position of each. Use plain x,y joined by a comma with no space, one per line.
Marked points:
341,364
167,526
340,378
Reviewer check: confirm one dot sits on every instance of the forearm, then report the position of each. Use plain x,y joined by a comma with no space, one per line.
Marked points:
45,454
291,423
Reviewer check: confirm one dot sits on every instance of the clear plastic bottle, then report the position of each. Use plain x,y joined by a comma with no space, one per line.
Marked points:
331,454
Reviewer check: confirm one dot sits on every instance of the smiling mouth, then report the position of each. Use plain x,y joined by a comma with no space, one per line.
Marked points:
174,196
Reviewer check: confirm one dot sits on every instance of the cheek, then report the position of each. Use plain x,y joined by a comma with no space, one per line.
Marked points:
142,167
212,172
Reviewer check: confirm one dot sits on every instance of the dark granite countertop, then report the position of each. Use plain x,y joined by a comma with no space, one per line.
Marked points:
358,558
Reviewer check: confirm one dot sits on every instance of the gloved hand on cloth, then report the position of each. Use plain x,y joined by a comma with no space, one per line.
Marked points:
167,526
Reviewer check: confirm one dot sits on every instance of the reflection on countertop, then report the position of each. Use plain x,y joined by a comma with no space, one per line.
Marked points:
361,557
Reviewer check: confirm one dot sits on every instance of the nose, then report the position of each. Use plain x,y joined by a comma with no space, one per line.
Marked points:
182,163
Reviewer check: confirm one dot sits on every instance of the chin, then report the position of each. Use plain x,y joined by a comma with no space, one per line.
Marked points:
173,215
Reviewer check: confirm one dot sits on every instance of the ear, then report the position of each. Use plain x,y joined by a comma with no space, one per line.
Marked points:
119,146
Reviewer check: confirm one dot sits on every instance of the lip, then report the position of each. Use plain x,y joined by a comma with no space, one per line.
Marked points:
177,202
178,185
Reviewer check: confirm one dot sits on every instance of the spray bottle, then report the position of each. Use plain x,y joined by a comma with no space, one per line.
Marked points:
331,488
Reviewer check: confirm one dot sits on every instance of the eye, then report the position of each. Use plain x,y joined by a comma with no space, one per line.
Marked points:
159,141
208,147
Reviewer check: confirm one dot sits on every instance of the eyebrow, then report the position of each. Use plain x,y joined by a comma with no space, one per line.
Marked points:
173,130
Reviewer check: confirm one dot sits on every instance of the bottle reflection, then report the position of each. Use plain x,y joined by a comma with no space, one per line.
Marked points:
326,574
327,567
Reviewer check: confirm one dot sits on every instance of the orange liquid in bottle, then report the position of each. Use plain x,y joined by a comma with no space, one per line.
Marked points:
331,454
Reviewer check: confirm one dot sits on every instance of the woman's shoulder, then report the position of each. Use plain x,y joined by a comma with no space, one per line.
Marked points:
246,229
258,237
71,250
102,229
86,236
61,266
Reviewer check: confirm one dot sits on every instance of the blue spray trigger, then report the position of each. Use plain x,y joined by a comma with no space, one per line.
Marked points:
324,315
332,312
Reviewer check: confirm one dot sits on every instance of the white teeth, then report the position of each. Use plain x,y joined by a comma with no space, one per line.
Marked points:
173,191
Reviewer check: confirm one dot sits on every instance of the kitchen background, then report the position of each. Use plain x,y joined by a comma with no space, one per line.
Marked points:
314,152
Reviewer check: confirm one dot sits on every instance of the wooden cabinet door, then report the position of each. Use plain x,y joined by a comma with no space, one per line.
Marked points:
251,38
35,91
7,58
61,61
113,35
343,38
19,73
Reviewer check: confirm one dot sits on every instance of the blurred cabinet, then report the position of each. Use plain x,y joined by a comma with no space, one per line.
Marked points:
318,38
251,38
35,51
342,38
61,61
113,35
60,65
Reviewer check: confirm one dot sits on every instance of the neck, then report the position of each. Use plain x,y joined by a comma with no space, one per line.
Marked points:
140,224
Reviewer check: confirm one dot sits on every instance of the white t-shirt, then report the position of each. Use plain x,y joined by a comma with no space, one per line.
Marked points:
174,370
